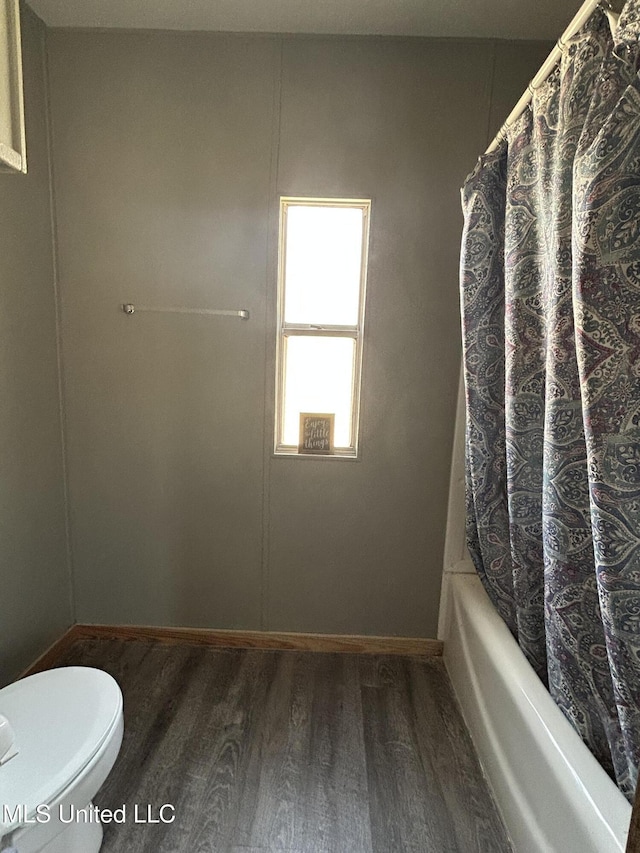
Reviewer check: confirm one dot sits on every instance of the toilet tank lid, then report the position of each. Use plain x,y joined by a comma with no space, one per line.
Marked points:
61,718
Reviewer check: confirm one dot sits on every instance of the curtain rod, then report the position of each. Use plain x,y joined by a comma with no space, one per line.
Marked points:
582,16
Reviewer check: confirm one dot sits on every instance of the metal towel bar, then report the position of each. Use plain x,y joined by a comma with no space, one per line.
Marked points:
130,308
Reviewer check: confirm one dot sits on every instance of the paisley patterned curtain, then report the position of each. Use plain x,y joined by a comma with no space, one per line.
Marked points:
550,283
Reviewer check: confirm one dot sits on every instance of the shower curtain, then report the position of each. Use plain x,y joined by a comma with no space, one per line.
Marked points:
550,288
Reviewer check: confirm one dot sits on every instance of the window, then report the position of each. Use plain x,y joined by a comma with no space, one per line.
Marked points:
322,269
12,139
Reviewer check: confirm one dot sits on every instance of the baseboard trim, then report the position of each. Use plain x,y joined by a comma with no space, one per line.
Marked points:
355,644
51,655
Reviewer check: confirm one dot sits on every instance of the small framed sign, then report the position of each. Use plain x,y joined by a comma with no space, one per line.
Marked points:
316,433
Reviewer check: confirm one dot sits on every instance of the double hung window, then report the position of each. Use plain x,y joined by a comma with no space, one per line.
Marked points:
321,288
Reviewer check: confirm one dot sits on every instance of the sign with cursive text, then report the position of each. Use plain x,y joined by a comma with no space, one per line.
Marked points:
316,433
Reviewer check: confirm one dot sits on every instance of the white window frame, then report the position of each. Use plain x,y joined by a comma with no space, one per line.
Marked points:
287,330
13,148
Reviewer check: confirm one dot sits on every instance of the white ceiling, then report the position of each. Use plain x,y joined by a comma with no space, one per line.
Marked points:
508,19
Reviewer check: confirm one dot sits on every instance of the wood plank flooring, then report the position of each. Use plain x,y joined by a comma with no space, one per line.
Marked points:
290,752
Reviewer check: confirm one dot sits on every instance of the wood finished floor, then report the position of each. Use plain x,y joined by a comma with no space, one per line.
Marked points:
287,752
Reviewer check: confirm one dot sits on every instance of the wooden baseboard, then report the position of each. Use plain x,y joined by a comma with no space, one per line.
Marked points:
356,644
224,639
49,657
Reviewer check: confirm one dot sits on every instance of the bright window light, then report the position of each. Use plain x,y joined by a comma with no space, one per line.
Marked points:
323,265
322,273
318,378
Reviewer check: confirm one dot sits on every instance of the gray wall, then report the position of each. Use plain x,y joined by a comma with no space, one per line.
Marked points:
35,594
170,153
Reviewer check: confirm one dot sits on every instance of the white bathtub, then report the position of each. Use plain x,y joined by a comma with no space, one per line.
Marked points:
553,795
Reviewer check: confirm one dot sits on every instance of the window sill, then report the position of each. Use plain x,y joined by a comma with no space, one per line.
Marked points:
293,454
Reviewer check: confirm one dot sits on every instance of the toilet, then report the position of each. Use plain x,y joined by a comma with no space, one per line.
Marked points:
67,725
